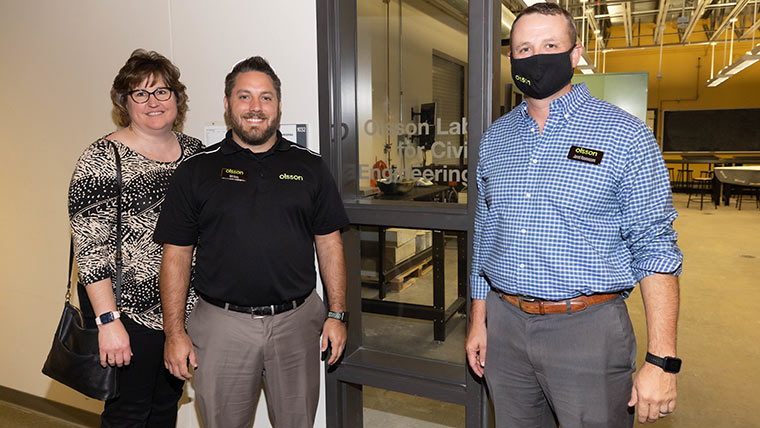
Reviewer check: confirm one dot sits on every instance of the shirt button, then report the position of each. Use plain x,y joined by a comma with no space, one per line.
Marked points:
522,265
534,160
523,230
527,195
532,129
567,116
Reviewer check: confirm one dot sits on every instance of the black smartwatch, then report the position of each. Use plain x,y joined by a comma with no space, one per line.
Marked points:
667,364
340,316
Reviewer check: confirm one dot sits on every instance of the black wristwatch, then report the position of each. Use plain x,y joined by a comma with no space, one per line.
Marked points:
668,364
340,316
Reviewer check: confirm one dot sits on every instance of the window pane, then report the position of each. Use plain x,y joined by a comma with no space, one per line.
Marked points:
411,100
419,310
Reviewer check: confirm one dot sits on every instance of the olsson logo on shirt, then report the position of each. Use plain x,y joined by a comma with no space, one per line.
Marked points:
285,176
585,155
234,174
522,79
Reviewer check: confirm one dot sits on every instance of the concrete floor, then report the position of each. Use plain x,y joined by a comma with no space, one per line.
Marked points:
718,337
12,416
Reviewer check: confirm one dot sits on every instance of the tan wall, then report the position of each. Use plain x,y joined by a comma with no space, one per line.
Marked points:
58,61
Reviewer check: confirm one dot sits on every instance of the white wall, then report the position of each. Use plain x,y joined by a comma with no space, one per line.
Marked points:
58,62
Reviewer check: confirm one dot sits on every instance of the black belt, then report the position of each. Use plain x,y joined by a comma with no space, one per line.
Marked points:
257,310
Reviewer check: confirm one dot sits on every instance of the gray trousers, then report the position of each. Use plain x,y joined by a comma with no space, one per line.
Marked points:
575,369
236,351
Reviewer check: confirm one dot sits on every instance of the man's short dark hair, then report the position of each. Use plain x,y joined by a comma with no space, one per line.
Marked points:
551,9
254,63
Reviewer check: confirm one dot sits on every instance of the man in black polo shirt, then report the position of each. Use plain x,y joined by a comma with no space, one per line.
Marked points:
254,207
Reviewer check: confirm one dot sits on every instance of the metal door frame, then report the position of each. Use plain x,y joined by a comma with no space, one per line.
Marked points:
336,48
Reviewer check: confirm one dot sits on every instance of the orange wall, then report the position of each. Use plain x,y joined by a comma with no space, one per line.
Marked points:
684,73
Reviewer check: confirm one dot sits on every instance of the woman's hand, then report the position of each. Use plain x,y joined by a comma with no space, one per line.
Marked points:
113,342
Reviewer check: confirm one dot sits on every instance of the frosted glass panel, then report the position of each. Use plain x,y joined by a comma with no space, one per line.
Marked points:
625,90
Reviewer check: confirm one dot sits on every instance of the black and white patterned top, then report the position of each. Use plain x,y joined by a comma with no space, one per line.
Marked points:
92,211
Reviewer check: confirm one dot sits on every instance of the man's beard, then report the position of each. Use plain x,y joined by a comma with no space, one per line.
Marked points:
254,137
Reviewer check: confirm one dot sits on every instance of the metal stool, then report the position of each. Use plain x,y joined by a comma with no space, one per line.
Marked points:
703,184
683,179
746,190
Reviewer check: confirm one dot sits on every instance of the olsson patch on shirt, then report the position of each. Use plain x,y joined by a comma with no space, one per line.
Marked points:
585,155
234,174
294,177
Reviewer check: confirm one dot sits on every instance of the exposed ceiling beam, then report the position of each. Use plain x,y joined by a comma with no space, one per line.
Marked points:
655,11
727,20
695,16
594,24
628,23
662,14
751,29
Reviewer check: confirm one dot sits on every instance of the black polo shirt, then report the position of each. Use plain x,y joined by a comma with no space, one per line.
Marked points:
253,218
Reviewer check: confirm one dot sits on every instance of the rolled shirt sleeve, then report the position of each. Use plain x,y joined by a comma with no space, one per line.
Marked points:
647,211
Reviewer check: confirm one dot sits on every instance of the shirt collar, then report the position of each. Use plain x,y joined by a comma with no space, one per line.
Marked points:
565,105
571,102
229,145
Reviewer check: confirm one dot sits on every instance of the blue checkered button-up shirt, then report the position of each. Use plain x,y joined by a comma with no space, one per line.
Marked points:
554,228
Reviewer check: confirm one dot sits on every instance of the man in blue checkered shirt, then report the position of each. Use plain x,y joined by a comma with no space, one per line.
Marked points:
574,208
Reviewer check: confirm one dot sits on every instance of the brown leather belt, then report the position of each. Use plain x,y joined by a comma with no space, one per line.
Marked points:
542,307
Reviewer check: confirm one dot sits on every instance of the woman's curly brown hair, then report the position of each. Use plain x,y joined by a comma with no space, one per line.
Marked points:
149,65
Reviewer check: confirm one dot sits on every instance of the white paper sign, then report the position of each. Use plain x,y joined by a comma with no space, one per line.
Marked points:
294,132
213,134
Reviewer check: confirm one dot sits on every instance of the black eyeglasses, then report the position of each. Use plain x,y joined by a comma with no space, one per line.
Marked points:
141,96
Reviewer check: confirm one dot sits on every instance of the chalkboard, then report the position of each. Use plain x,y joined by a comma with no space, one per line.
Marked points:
730,130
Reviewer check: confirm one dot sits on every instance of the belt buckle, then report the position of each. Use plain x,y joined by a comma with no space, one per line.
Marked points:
523,298
255,313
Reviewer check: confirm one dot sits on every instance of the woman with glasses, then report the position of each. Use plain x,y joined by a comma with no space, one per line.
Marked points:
149,105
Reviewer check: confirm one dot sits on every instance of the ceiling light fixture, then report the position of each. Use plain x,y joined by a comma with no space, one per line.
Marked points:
585,65
735,67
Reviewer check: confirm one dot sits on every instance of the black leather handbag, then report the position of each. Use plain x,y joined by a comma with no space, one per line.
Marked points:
74,358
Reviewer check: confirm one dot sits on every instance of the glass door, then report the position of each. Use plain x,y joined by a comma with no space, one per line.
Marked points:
406,91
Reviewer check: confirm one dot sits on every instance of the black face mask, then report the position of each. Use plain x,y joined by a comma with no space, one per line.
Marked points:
540,76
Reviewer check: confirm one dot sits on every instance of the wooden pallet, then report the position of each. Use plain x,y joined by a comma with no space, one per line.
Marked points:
411,275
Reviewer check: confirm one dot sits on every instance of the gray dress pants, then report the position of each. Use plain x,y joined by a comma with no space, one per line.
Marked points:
572,369
236,352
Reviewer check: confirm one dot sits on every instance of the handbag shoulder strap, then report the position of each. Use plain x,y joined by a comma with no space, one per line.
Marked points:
71,269
118,255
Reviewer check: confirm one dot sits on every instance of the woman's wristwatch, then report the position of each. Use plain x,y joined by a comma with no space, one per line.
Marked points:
107,317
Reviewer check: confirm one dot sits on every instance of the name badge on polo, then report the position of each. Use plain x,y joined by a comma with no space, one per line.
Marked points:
585,155
234,174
